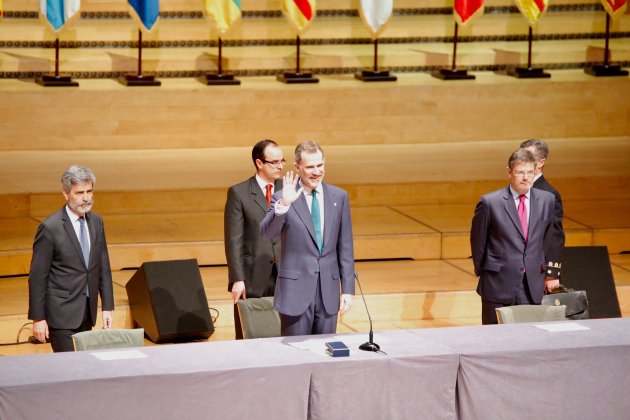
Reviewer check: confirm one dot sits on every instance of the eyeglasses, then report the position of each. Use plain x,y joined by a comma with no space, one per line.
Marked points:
529,174
275,162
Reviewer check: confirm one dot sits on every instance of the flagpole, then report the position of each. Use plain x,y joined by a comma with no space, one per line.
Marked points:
220,56
57,57
607,48
375,55
529,48
528,72
453,73
455,37
297,61
606,69
139,53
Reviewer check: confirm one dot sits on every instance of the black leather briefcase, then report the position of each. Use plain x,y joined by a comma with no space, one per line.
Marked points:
576,302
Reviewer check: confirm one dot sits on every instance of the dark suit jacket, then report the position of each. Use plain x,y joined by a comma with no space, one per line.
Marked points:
249,255
554,245
58,273
301,259
499,251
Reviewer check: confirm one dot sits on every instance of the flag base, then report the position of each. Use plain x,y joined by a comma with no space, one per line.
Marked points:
448,74
528,73
290,77
219,79
605,70
139,80
375,76
50,80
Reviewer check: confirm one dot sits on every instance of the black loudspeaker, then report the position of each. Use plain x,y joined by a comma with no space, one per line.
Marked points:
168,300
588,268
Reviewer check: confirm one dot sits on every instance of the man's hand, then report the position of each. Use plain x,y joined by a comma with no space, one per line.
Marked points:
551,284
238,291
40,330
345,303
289,194
107,319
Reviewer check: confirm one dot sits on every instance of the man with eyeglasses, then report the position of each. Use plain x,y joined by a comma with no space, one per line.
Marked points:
509,229
252,260
554,246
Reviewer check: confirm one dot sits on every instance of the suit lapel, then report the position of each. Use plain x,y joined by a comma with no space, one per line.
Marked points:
257,194
534,211
67,225
330,213
301,208
512,211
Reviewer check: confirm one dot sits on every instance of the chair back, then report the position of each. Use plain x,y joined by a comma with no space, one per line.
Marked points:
108,339
258,318
530,313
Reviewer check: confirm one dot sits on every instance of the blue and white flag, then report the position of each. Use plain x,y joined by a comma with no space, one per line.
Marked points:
375,14
146,12
57,13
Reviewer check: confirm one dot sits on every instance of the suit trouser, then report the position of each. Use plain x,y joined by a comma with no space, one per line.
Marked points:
269,290
61,340
522,296
314,320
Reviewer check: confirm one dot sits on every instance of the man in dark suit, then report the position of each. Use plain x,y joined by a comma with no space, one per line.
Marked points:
252,259
313,221
554,245
70,266
507,238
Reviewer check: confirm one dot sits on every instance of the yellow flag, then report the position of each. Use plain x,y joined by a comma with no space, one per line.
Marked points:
532,9
300,13
224,13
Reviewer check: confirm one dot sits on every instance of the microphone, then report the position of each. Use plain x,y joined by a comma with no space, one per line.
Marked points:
370,345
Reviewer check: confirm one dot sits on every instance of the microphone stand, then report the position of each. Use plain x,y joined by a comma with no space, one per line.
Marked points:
370,345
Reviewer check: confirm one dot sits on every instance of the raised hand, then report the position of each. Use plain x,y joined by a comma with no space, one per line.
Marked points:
289,194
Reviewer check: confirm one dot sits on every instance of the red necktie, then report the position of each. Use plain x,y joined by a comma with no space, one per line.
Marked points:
268,194
522,214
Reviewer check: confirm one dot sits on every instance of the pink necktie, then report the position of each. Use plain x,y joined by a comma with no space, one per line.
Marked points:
268,194
522,214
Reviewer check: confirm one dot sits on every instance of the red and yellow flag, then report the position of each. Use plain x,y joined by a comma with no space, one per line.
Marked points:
466,11
300,13
1,13
532,9
615,8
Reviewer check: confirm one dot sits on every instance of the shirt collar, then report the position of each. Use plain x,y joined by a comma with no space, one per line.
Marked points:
73,216
308,191
516,195
263,184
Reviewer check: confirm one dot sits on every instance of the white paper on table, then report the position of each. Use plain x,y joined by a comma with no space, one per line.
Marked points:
120,355
563,326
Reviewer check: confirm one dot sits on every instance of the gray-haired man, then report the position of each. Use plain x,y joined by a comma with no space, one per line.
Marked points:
70,266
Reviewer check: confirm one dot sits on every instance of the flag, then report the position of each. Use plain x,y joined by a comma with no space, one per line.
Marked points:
57,13
466,11
299,12
532,9
375,14
615,8
145,12
1,9
223,12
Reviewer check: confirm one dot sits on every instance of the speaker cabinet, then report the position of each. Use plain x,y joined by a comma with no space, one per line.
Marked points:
588,268
168,300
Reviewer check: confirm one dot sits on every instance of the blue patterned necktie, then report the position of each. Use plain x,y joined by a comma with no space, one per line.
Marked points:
83,241
85,247
317,224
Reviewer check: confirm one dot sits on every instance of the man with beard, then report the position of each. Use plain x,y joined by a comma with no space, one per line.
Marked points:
312,219
70,266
